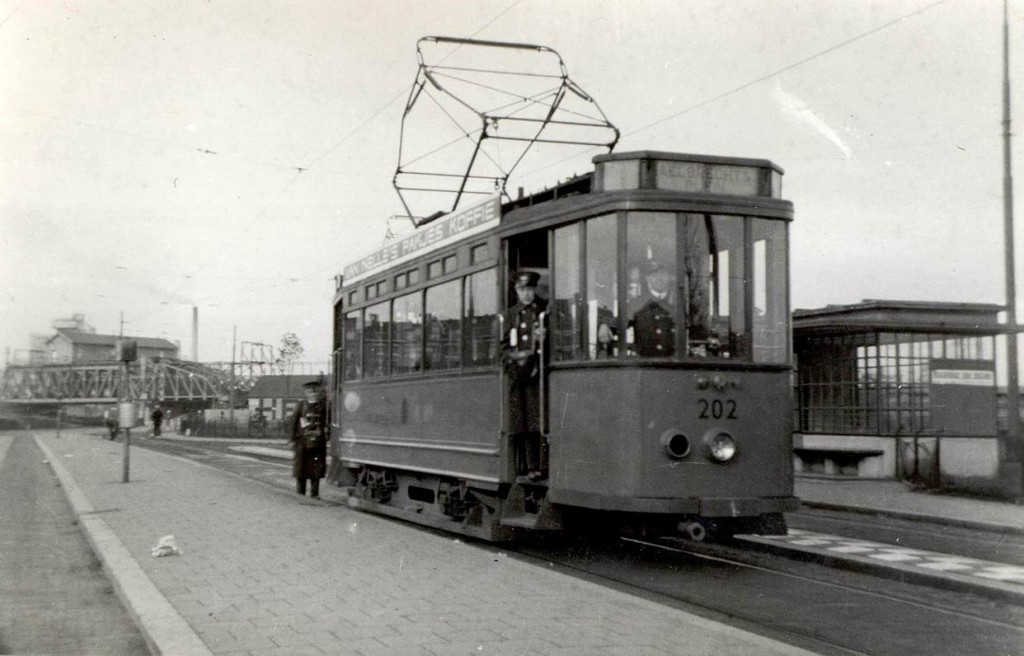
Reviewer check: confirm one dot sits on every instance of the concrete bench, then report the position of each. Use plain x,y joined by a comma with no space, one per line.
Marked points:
832,460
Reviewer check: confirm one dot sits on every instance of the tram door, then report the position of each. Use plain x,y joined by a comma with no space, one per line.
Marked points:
526,398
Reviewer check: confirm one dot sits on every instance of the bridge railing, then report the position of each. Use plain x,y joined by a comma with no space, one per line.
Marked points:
170,380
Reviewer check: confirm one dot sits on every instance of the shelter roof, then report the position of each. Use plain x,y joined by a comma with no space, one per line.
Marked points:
871,315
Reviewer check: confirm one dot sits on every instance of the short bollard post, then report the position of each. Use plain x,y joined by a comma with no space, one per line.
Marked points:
127,454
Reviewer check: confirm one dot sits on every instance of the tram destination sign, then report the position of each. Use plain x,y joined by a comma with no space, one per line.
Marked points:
436,234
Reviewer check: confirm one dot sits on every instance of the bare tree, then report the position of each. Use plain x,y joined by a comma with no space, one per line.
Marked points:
289,351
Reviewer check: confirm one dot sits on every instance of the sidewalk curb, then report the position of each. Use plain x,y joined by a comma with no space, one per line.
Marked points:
164,629
895,571
917,517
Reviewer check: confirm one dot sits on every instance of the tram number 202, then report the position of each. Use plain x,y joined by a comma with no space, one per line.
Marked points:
717,409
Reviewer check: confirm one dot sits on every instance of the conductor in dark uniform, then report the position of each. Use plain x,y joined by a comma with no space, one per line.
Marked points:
522,348
309,439
653,321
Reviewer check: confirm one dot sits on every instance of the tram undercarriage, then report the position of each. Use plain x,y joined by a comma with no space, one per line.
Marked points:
502,512
492,512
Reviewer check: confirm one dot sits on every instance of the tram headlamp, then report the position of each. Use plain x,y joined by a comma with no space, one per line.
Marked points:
677,445
721,446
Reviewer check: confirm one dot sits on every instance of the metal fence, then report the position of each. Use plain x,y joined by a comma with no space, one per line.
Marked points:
198,426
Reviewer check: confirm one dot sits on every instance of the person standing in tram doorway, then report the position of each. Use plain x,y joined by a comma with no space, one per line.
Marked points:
309,439
522,348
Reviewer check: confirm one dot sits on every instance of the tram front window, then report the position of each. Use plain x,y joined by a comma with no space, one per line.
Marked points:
652,285
565,334
686,291
771,312
713,262
602,288
685,287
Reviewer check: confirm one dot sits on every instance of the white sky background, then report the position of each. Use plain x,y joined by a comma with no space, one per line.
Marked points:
149,152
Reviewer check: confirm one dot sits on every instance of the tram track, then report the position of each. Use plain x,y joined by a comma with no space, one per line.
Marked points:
794,601
778,572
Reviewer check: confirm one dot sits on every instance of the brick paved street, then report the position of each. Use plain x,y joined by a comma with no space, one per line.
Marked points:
266,572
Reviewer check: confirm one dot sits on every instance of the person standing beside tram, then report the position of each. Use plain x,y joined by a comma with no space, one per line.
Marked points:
522,348
309,439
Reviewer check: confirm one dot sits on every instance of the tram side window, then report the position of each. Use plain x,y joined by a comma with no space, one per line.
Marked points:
481,303
443,324
352,327
602,299
652,286
770,319
567,305
376,330
407,344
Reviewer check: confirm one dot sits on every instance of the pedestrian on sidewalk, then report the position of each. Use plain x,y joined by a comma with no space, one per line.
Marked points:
110,421
158,418
309,439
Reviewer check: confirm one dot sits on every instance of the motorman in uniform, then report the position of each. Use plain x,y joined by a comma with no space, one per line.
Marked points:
522,348
309,439
654,324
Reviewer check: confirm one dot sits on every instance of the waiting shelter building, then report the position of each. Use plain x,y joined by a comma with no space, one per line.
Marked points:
899,389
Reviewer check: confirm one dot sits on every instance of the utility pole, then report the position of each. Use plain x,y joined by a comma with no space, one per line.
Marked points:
1012,464
127,351
60,410
231,392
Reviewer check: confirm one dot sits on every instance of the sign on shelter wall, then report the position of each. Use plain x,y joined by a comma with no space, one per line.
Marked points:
963,397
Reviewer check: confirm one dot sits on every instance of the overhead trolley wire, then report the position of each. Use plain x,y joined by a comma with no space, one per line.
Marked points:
746,85
789,67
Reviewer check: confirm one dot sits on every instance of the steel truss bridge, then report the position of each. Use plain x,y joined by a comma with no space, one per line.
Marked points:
165,380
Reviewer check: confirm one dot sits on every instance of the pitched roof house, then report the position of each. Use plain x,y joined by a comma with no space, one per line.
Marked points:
72,346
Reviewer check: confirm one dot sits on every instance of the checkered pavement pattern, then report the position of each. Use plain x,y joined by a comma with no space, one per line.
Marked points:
887,553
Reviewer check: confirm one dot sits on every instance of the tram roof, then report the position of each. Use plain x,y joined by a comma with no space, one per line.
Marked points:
688,157
743,181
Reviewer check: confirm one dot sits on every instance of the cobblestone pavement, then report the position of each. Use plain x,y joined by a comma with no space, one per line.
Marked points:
266,572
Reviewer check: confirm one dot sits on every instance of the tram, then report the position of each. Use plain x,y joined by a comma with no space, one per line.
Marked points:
692,435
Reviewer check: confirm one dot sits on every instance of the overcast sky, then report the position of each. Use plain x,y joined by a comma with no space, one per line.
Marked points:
235,155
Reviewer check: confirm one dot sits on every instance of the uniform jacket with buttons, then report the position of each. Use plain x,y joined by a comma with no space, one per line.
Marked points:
521,323
654,327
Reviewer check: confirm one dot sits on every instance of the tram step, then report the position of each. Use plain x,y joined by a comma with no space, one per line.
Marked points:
520,521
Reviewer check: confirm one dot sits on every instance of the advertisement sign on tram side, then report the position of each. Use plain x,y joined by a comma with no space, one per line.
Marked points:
437,234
